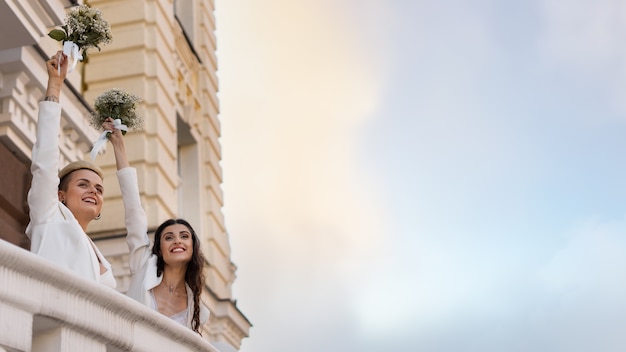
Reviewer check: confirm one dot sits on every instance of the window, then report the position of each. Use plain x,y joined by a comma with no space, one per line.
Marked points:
184,12
189,189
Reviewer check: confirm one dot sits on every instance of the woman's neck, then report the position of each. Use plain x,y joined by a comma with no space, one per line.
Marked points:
82,220
83,225
173,278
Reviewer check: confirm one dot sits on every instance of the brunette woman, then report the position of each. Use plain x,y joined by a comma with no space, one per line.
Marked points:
169,278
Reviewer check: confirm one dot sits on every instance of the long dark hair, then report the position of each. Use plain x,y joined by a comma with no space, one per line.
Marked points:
194,275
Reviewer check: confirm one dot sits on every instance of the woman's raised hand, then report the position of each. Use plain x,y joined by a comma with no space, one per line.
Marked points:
116,134
56,76
117,140
53,63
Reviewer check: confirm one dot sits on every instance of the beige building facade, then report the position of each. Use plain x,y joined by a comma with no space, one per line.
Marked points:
164,52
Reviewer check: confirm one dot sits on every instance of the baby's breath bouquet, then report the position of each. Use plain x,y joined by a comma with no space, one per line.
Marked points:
84,28
121,107
116,104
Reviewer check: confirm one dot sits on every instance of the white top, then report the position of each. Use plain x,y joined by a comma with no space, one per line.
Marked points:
180,317
107,279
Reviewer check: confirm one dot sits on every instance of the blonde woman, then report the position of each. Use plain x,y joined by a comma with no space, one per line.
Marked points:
62,204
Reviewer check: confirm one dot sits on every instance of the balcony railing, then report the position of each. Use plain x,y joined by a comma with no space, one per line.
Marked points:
45,308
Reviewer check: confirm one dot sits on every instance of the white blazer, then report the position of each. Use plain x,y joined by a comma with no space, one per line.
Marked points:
54,231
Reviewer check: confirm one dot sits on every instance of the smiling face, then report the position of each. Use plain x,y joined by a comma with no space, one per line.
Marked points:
176,245
83,195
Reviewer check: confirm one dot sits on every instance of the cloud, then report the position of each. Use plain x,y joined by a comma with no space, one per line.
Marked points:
492,297
588,32
585,283
587,38
483,177
291,115
303,218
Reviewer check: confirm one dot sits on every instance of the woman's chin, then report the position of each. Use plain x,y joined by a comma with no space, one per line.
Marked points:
177,261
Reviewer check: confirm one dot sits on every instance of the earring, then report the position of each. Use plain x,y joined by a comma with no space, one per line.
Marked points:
63,201
98,217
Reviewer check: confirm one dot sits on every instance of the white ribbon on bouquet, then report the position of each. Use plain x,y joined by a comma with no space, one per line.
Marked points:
71,50
101,141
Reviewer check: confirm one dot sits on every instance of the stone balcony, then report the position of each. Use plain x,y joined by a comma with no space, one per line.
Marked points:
45,308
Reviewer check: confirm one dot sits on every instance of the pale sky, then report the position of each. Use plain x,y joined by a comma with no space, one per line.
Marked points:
440,175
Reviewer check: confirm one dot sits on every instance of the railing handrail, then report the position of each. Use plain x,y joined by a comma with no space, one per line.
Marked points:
106,313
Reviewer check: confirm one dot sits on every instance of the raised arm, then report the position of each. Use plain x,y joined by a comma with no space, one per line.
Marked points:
134,215
42,196
56,76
